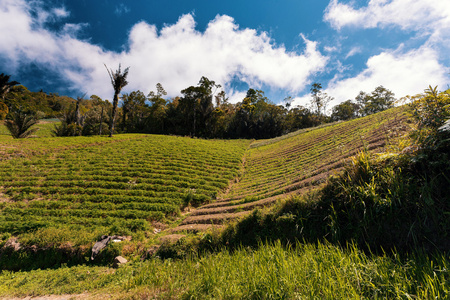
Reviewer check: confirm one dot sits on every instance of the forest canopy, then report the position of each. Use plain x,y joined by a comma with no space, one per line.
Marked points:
202,110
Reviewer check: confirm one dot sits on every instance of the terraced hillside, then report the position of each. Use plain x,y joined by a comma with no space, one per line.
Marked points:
51,189
296,163
98,185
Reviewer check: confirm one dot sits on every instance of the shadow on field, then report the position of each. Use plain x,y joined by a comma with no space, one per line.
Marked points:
32,258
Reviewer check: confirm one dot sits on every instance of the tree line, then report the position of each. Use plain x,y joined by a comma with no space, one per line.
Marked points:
202,110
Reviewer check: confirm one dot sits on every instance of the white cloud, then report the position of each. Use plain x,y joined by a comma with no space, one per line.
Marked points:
401,72
408,14
353,51
330,48
176,56
404,71
235,96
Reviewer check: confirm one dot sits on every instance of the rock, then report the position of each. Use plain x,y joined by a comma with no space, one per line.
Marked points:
119,260
104,241
13,243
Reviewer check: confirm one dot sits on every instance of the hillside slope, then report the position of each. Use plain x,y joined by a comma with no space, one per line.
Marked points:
64,193
287,166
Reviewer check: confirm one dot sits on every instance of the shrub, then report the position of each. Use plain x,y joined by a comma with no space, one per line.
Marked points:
19,123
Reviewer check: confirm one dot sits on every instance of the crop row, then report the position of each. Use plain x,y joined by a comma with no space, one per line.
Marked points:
273,167
144,178
110,199
17,224
122,182
59,191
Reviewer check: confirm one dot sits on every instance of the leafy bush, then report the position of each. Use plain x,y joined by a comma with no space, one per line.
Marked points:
19,123
432,108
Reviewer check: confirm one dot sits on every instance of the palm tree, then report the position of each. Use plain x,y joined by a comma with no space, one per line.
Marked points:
5,85
118,81
19,123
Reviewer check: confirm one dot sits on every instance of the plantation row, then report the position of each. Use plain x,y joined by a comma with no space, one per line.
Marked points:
17,224
272,168
80,194
138,178
295,164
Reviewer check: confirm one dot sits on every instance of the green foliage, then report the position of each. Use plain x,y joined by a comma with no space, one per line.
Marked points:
135,112
19,123
380,99
64,129
345,111
3,110
6,85
319,99
431,109
47,105
303,271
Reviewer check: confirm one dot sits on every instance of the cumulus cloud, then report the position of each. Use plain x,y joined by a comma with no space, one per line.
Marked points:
401,72
176,55
430,18
404,71
408,14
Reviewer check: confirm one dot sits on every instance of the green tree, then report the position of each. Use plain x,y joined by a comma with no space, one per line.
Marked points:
72,120
158,109
380,99
94,119
319,99
19,123
197,106
118,81
431,109
301,117
5,86
3,110
256,117
345,111
134,111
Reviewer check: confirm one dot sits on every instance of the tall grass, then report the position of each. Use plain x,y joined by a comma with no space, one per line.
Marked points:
306,271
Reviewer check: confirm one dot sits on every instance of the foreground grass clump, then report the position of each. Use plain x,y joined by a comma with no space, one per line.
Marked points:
305,271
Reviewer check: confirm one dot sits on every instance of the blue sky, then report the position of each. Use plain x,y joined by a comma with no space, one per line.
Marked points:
281,47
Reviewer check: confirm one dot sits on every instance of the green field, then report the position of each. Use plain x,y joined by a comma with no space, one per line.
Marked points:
59,195
116,186
295,164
